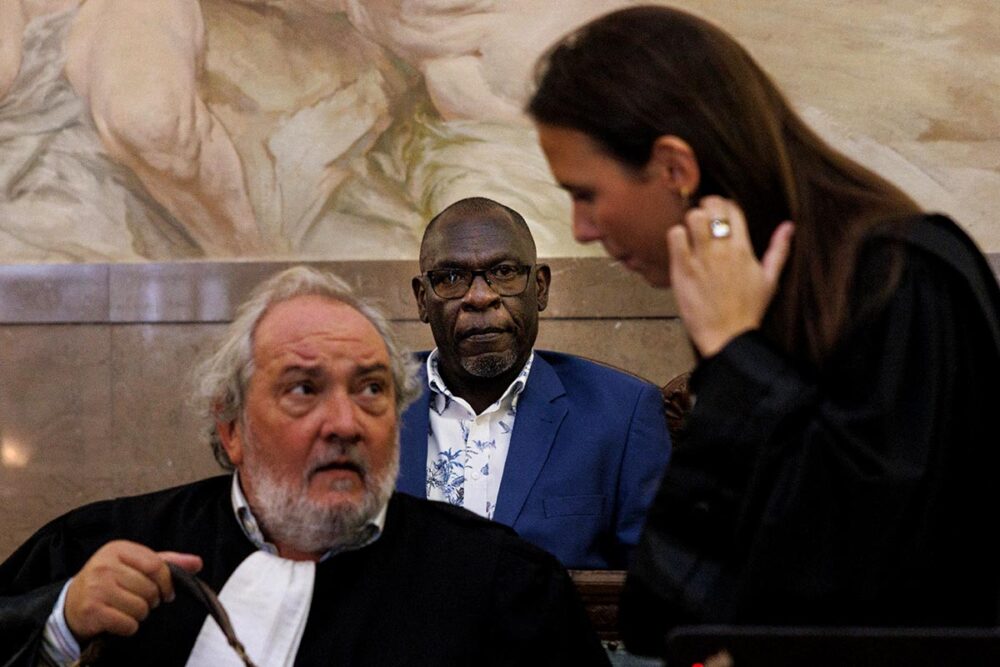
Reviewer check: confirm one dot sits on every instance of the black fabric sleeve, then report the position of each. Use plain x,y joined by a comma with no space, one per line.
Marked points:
539,615
30,583
22,622
833,496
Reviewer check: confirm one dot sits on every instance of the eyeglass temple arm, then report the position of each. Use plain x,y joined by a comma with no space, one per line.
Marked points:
204,595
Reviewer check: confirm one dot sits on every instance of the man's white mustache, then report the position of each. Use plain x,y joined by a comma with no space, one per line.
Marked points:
340,454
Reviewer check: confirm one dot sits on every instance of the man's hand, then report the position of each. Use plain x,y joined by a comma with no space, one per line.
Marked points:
118,587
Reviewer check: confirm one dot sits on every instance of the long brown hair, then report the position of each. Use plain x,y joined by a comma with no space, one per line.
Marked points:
640,73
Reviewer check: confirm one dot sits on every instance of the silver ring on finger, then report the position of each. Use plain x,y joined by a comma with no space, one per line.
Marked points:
719,227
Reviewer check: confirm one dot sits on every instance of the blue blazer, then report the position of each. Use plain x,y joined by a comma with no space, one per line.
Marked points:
588,448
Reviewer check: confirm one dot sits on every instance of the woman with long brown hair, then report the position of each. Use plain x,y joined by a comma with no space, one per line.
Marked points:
838,465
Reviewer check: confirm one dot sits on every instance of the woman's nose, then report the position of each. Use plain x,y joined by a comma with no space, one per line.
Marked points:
584,230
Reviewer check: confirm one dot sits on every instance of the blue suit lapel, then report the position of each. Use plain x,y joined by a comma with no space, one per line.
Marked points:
413,440
539,414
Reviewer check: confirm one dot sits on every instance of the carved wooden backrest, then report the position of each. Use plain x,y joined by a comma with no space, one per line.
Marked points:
677,403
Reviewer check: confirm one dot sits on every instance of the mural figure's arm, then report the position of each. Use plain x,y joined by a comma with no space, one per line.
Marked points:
476,56
136,63
12,22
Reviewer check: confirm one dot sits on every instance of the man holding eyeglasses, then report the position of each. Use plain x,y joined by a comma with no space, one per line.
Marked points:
566,451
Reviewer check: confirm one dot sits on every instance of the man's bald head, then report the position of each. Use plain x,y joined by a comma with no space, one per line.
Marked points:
475,208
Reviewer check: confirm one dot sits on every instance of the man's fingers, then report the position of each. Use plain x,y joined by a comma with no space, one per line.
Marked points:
777,252
116,622
149,565
99,603
187,562
139,584
131,604
122,579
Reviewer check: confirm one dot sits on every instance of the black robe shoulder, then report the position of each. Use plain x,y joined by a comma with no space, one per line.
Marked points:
440,586
861,493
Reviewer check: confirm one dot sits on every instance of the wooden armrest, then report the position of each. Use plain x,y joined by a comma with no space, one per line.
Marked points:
600,591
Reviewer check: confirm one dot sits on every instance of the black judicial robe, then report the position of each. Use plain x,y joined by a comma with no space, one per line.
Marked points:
441,586
863,493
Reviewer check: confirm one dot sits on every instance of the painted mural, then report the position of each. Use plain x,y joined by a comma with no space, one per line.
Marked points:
135,130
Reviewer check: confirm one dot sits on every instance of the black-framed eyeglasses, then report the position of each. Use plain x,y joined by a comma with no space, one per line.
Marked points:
504,279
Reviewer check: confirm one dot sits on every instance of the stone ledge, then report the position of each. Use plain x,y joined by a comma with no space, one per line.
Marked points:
583,288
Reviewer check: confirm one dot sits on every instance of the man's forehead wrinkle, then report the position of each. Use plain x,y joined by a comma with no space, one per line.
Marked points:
300,369
313,367
375,367
313,330
312,346
307,315
311,353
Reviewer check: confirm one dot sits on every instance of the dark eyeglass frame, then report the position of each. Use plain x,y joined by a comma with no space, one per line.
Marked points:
523,270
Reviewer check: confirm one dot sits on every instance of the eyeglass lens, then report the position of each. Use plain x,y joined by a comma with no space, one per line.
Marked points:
505,279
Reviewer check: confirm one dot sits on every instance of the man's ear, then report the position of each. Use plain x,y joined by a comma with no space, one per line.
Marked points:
420,294
543,277
674,161
231,436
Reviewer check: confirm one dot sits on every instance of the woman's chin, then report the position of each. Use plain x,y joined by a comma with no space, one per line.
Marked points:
655,276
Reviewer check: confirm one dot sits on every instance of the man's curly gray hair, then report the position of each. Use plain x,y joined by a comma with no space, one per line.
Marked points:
223,378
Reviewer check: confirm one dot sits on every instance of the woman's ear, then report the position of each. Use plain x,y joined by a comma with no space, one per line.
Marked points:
674,161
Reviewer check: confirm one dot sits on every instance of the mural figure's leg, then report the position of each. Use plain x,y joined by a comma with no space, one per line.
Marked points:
136,62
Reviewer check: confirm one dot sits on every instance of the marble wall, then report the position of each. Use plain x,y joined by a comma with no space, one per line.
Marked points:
95,364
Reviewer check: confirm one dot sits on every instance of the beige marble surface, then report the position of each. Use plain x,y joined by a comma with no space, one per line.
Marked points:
55,425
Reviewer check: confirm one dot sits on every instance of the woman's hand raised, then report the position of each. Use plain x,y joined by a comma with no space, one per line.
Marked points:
720,287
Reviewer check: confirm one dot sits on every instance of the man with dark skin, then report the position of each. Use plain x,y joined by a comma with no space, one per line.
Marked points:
566,451
484,339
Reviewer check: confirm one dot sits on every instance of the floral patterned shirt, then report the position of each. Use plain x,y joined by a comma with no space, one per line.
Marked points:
466,452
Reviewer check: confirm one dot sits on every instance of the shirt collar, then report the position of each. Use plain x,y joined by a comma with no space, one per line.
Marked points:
248,523
513,392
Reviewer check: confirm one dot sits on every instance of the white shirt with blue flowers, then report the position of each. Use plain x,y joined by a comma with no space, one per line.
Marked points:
466,452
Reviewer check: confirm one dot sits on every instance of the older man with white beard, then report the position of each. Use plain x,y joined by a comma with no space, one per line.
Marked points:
317,561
